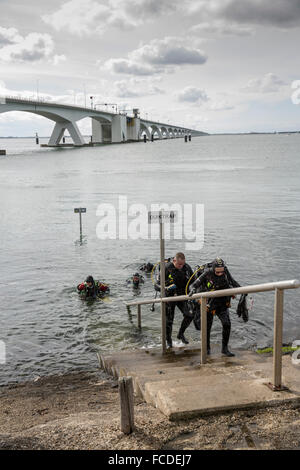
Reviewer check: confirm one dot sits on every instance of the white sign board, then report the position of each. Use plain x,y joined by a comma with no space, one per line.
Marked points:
162,217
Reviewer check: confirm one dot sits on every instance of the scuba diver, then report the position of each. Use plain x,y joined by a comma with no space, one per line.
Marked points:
136,280
217,277
146,267
91,289
177,274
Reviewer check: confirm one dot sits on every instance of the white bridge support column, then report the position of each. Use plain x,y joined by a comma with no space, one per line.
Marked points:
97,131
118,129
133,128
59,130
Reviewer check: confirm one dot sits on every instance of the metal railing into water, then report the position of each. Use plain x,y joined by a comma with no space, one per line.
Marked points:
278,287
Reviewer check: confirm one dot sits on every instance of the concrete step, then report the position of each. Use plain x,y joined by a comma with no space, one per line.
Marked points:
216,394
180,387
196,378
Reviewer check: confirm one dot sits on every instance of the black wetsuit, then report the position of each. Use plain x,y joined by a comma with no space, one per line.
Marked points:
209,281
180,278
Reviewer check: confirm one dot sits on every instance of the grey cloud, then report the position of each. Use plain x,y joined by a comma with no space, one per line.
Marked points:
222,28
169,51
150,8
134,88
192,95
278,13
273,12
269,83
125,66
8,36
158,56
30,48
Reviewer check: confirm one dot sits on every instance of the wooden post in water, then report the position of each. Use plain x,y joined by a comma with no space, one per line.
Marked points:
203,330
139,317
126,403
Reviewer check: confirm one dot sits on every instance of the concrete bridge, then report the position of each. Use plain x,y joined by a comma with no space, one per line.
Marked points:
107,127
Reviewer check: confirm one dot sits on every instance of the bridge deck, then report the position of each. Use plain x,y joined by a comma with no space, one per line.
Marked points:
181,388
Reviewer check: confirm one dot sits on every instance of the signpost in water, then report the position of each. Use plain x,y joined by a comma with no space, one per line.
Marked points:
80,210
161,217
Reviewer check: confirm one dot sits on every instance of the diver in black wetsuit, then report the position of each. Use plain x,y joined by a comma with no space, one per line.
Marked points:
217,278
136,280
177,274
147,267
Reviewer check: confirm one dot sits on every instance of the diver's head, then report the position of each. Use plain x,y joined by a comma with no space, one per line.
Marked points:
218,267
179,260
90,281
136,280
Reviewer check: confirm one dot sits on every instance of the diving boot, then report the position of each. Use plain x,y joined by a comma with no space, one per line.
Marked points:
182,338
226,352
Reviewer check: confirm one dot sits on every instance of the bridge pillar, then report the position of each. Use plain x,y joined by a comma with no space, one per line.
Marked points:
59,130
133,128
118,129
97,131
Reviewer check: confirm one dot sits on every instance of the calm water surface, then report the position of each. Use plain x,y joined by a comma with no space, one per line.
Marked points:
250,186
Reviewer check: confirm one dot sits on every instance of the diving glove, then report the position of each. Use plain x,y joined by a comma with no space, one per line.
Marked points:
171,288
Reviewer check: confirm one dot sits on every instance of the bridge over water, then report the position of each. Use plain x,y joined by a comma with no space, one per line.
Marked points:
107,127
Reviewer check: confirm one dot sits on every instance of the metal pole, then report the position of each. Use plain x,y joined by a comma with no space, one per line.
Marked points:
162,284
277,347
203,330
80,223
139,316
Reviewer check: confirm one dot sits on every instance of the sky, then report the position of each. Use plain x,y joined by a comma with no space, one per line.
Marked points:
212,65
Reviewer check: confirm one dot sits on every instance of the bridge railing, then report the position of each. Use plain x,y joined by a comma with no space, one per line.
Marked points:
42,100
278,287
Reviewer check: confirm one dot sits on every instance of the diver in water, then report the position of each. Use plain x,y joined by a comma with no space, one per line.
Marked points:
147,267
177,274
136,280
91,289
217,277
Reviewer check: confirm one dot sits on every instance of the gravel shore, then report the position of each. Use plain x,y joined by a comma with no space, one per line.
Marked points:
81,411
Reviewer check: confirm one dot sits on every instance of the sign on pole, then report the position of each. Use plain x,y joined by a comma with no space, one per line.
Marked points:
80,210
161,216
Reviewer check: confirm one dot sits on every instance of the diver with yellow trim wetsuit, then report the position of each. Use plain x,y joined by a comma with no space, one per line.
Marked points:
217,277
177,274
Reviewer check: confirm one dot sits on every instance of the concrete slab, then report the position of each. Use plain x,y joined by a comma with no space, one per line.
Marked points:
181,387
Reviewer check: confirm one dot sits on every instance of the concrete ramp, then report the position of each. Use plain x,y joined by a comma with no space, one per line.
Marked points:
182,388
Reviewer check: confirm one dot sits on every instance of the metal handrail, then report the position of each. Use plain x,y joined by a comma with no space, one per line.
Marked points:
292,284
279,288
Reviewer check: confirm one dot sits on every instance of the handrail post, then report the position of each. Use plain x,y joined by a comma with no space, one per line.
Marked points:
277,346
139,317
203,330
162,284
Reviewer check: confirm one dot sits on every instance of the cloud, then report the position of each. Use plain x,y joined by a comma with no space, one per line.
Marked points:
79,17
31,48
129,67
169,51
85,17
192,95
136,87
222,28
9,36
278,13
269,83
158,56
